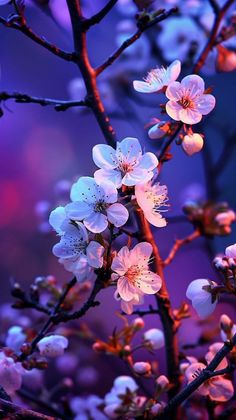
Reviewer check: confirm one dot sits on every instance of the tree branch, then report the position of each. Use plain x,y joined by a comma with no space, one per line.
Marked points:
26,30
59,105
215,6
132,39
13,411
95,19
203,376
178,244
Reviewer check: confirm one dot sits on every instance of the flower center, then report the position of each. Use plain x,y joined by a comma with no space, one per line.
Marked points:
186,102
100,206
132,273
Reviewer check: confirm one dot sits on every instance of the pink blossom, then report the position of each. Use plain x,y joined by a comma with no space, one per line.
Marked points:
158,78
187,100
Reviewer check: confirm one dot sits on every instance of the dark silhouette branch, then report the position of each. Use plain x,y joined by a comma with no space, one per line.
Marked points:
134,38
59,105
98,17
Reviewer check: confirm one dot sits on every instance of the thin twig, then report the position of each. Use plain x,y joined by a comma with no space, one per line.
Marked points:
178,244
11,410
59,105
215,6
133,38
98,17
26,30
205,374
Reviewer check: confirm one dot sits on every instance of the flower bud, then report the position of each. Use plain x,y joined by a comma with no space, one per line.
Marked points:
99,347
192,143
52,346
155,338
138,323
230,251
201,297
142,368
226,59
15,338
225,218
158,130
162,382
225,323
156,409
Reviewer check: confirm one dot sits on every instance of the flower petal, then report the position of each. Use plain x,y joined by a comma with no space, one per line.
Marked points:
145,87
174,70
193,85
148,282
220,389
117,214
148,161
190,116
114,176
174,91
129,148
173,110
57,218
121,262
137,176
141,252
78,210
206,104
104,156
85,189
109,191
96,222
94,254
125,289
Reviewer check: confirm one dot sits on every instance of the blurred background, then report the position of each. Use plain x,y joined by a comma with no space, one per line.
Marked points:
44,151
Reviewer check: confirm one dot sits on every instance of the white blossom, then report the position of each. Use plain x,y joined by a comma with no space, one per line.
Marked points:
95,202
202,299
15,338
158,78
155,338
152,200
125,165
52,345
87,408
230,251
187,100
10,374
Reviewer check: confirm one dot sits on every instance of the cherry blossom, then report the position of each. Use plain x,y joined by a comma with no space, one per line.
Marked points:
10,374
95,202
52,346
133,274
128,307
87,407
187,100
152,199
216,388
125,165
202,299
227,327
212,351
155,338
230,251
158,78
162,382
192,143
74,250
113,399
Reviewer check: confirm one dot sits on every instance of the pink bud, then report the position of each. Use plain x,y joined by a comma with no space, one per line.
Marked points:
142,368
192,143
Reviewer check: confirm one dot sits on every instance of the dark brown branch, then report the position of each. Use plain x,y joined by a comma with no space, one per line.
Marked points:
178,244
26,30
41,403
98,17
210,44
215,6
59,105
13,411
203,376
166,146
87,71
150,311
134,38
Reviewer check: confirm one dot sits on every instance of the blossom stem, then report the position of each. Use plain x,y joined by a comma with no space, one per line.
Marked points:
59,105
128,42
178,244
205,374
12,410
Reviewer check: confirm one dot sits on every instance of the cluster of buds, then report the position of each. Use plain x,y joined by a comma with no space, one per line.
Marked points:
210,218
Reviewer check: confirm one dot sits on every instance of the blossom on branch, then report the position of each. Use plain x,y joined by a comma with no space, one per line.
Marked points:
158,78
152,200
10,374
95,202
52,346
192,143
132,272
203,301
125,165
154,338
187,100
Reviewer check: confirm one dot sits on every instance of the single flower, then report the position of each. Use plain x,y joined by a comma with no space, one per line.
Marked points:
202,299
187,100
10,374
152,200
133,274
75,251
125,165
155,338
216,388
95,203
158,78
52,346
